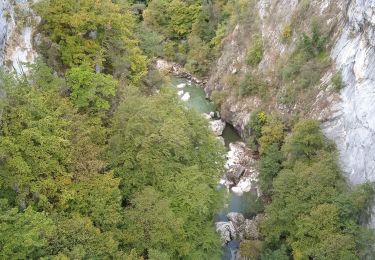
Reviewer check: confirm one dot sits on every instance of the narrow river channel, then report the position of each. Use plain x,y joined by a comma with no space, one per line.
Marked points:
195,98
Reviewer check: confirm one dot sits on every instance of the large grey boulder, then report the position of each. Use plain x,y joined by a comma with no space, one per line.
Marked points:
242,174
217,127
239,228
235,173
226,231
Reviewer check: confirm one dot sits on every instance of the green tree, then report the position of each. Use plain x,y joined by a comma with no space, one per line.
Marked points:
318,236
34,143
97,33
24,234
279,254
97,197
251,249
90,90
157,142
305,141
272,133
151,224
172,18
78,238
311,212
269,167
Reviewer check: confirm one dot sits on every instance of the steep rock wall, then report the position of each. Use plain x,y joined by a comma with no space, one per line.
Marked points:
347,117
353,128
17,22
7,25
273,17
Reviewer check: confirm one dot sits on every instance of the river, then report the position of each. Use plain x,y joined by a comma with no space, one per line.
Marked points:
196,99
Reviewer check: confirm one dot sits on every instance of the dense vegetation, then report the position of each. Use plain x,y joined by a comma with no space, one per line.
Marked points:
100,160
93,167
189,32
311,205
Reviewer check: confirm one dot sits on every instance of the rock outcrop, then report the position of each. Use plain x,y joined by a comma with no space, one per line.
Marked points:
17,35
273,17
241,173
177,70
217,126
226,231
238,228
353,125
7,25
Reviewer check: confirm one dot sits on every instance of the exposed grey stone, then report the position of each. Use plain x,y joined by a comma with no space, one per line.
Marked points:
250,230
226,231
217,126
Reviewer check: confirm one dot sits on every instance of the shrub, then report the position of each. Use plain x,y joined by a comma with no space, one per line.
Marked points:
292,66
252,85
257,121
219,35
269,167
305,141
272,133
231,80
313,45
337,82
287,33
305,66
255,53
251,249
218,97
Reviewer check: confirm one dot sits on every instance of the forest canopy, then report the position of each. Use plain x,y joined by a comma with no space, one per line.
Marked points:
100,159
91,166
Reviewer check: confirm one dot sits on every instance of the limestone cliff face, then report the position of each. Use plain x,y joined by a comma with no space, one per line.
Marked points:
273,17
347,117
353,127
7,25
16,34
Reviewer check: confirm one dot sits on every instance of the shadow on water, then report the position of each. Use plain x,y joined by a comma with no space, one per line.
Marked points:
230,135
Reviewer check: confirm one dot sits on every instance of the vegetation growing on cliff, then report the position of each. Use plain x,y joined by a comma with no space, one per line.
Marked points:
311,204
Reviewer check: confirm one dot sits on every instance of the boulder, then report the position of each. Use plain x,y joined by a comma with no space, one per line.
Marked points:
217,126
217,114
181,85
241,175
207,116
235,173
244,185
226,231
185,97
236,218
